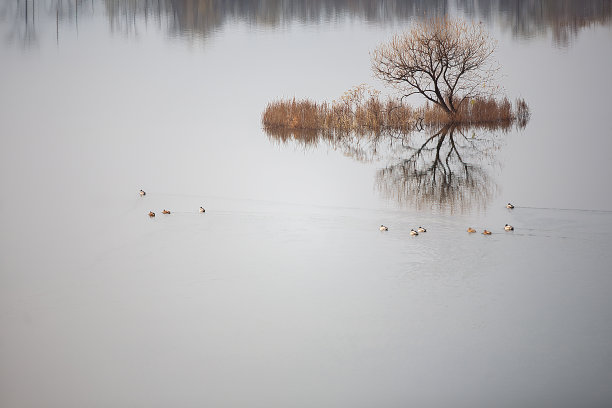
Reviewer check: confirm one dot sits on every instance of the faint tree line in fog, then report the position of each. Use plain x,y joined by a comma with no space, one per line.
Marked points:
564,18
21,21
536,18
200,18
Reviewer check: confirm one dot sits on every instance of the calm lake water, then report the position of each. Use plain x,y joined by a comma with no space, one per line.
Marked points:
285,293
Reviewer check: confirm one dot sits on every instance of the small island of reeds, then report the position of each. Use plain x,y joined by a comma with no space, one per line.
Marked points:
446,61
359,113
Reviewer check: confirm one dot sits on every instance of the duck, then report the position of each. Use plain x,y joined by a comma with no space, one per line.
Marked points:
510,206
509,227
486,232
166,212
413,232
383,228
142,193
421,229
202,209
470,229
151,214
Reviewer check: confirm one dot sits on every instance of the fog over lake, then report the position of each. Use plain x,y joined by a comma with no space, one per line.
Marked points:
285,293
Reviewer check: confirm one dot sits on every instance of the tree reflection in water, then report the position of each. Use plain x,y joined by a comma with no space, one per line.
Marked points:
447,169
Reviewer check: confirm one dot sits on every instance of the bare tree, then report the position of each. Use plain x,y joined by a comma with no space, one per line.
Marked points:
446,60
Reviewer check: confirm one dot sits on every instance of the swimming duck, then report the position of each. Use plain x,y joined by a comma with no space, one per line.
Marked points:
509,227
383,228
470,229
151,214
421,229
510,206
486,232
166,212
142,193
202,209
413,232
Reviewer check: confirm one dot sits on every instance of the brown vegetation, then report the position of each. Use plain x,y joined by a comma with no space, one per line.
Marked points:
362,113
445,60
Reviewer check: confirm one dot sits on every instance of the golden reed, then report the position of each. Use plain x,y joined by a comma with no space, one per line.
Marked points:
369,114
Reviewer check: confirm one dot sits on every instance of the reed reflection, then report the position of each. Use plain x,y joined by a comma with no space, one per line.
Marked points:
447,169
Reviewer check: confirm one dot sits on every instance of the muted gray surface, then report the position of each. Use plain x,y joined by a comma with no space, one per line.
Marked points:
285,293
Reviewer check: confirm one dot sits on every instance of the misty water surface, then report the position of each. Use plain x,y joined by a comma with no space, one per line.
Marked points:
285,293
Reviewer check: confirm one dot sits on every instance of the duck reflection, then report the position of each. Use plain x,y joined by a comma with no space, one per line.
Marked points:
448,169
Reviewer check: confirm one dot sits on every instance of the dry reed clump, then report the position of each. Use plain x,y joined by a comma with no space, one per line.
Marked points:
481,112
292,114
373,116
361,111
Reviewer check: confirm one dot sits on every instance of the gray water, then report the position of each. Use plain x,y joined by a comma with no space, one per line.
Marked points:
285,293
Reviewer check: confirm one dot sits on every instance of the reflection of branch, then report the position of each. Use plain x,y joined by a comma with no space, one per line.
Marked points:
440,169
441,133
445,181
